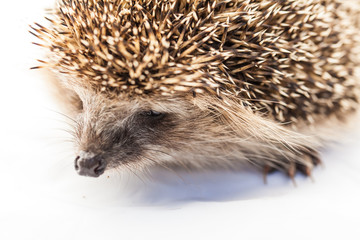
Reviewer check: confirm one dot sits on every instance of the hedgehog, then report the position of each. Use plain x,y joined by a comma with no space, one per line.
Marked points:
203,84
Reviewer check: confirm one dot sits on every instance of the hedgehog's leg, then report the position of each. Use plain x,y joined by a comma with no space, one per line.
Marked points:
288,152
269,144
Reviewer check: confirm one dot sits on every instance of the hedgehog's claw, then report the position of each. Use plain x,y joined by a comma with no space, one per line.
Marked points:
267,169
316,159
307,166
309,161
291,171
305,170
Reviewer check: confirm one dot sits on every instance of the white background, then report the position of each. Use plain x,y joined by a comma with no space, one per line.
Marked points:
41,197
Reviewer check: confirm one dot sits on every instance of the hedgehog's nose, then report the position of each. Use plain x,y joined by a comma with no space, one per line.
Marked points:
89,165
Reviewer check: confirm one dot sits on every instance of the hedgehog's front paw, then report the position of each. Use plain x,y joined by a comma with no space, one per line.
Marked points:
304,163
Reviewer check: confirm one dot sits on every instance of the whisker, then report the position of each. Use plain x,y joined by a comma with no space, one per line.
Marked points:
164,166
129,168
63,114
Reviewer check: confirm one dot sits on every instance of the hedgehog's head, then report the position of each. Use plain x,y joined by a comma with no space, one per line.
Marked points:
140,131
124,132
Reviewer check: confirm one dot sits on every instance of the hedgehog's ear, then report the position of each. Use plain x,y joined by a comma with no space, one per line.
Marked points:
69,99
76,101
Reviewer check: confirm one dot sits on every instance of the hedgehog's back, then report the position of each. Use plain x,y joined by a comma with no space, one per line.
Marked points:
291,59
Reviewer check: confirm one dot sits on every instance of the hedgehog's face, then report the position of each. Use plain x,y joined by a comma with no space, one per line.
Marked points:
112,134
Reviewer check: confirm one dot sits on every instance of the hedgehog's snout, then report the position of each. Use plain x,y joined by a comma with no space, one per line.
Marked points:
89,164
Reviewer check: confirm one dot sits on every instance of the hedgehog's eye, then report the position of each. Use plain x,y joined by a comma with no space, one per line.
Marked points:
152,113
